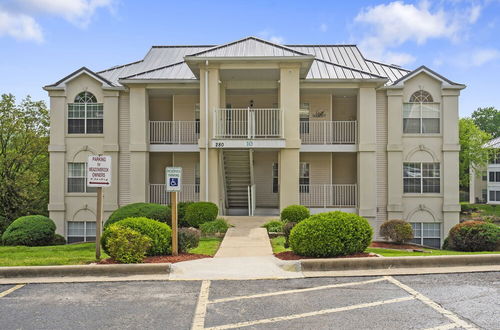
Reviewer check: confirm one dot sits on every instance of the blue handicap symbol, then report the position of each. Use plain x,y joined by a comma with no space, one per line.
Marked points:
174,182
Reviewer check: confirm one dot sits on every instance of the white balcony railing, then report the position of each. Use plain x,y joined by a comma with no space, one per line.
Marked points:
328,132
328,195
248,123
174,132
188,193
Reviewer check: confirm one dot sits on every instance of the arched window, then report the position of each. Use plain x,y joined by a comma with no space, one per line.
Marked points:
85,115
421,114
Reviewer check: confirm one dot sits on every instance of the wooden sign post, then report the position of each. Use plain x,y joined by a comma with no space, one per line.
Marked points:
173,179
99,175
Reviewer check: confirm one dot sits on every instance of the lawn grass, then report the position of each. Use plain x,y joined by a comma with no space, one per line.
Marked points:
488,209
74,254
278,246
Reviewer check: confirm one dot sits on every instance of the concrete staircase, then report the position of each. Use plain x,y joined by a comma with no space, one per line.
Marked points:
237,170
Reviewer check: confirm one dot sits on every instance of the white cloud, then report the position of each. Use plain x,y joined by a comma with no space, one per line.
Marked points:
483,56
271,36
19,26
323,27
390,25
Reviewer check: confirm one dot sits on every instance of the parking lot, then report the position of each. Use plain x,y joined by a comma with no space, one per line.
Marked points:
446,301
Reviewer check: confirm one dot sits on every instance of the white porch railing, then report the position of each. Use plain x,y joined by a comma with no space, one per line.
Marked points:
248,123
174,132
328,195
188,193
328,132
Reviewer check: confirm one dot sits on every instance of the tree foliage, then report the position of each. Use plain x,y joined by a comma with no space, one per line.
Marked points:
24,158
472,154
488,120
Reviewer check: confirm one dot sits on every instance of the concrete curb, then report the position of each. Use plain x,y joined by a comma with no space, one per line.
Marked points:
86,270
399,262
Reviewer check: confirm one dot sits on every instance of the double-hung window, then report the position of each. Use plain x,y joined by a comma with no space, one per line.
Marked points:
494,196
275,178
81,231
427,233
494,177
421,178
77,178
85,115
304,177
421,115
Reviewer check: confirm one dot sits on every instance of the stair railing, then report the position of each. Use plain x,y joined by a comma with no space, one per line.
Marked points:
251,200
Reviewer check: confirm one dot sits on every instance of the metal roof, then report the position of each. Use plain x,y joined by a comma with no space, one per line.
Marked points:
169,72
495,143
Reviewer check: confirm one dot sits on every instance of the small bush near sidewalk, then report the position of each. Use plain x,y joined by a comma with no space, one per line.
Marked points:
181,213
274,226
397,231
58,240
331,234
474,236
153,211
201,212
212,228
295,213
287,228
126,245
31,230
189,238
159,233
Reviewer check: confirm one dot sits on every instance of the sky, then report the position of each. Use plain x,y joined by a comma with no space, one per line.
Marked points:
41,41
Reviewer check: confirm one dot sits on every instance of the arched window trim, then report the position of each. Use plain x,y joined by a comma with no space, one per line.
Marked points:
421,115
85,115
421,96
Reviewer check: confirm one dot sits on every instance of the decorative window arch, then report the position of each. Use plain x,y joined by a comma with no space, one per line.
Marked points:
85,115
421,115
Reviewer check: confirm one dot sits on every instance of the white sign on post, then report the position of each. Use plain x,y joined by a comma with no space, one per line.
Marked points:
173,178
99,171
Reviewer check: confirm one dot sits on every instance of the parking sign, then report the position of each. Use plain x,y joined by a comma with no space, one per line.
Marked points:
173,178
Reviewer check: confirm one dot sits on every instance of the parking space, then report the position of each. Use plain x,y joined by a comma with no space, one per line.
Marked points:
446,301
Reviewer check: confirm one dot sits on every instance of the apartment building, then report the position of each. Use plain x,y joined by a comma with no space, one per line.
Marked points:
257,126
485,185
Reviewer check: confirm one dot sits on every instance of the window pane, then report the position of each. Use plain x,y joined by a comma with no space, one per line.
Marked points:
431,230
411,125
430,170
75,228
412,185
430,110
492,195
431,185
411,170
76,169
76,126
430,125
416,241
94,126
94,111
76,185
90,230
304,170
411,110
432,242
76,110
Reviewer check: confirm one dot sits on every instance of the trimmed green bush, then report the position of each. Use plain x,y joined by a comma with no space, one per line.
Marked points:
331,234
274,226
467,208
181,213
58,240
201,212
126,245
153,211
4,223
287,228
295,213
219,226
397,231
189,238
474,236
31,230
160,234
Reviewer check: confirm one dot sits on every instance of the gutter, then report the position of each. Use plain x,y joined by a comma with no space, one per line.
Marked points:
206,130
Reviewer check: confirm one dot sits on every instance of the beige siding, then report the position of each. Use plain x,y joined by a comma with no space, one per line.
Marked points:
157,163
381,160
344,108
263,174
124,140
318,103
319,166
188,161
160,108
344,168
259,100
184,106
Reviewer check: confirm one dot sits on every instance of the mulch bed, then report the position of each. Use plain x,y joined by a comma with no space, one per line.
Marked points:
289,255
386,245
163,259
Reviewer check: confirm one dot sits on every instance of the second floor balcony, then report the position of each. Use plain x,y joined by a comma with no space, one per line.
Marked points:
248,123
174,132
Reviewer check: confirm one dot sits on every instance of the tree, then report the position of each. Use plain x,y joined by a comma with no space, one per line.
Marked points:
24,158
472,154
488,119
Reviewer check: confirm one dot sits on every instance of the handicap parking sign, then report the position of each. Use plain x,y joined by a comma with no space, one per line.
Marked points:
173,178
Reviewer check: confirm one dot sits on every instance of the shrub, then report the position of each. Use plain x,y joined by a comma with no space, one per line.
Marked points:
126,245
200,212
397,231
474,236
4,223
331,234
181,213
214,227
58,240
153,211
189,238
287,228
160,234
31,230
295,213
467,208
274,226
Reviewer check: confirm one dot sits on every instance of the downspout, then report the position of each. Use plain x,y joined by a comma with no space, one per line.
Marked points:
206,131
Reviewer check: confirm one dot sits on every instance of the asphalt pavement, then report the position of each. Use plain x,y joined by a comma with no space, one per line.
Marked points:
442,301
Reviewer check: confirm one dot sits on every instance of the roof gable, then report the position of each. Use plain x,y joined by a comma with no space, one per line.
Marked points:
428,71
77,73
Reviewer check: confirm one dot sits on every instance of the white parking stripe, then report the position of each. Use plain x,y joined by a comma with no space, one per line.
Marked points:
450,315
201,307
296,291
302,315
445,327
14,288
